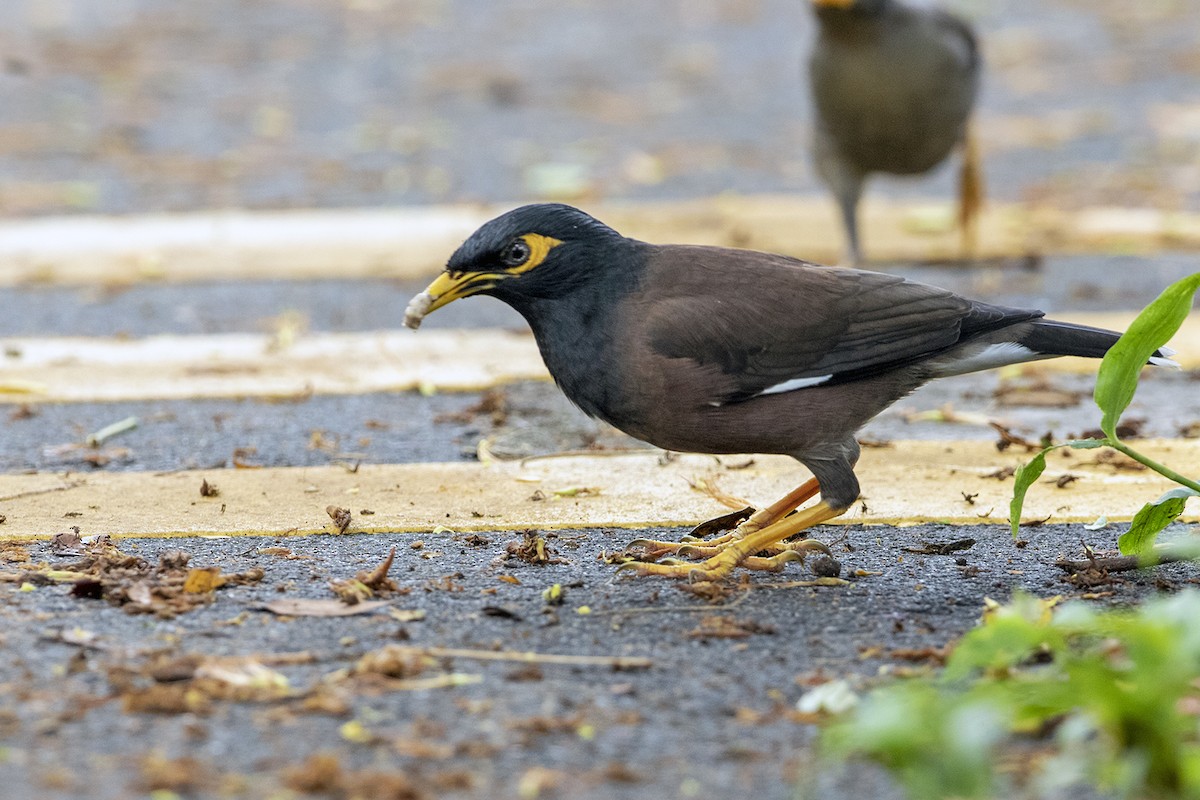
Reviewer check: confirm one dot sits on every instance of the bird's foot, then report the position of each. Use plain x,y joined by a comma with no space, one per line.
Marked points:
732,525
744,551
711,549
722,563
653,549
736,526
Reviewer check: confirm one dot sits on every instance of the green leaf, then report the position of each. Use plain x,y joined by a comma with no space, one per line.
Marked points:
1153,517
1153,328
1023,478
1027,474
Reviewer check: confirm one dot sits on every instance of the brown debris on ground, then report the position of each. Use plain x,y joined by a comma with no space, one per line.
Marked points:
13,551
940,548
393,661
1130,428
166,589
1040,392
341,517
493,403
176,776
721,626
1009,439
192,684
82,453
532,549
710,591
323,774
368,584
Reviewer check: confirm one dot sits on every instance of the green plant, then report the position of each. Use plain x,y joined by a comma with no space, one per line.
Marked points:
1062,696
1116,383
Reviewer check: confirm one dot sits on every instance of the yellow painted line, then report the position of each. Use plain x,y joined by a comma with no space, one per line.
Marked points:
88,369
415,242
907,482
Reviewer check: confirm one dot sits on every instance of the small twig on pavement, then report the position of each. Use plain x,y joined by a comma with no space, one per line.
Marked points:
1168,554
617,662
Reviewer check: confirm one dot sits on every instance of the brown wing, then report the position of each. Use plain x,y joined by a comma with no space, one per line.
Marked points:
763,321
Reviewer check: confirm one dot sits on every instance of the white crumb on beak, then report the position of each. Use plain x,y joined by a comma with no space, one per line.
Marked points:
417,308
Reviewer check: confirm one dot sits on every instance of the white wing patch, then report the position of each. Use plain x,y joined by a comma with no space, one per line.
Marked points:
787,386
796,383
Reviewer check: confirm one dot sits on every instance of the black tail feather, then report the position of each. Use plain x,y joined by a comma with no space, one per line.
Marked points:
1052,338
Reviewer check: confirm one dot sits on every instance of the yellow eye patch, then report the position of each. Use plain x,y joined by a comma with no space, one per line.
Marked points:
539,247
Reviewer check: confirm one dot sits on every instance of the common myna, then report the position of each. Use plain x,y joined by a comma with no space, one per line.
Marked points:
893,87
714,350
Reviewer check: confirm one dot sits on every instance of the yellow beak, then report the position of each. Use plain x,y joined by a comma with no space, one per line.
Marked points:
445,289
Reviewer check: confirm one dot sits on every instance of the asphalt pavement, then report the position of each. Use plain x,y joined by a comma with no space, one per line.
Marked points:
103,703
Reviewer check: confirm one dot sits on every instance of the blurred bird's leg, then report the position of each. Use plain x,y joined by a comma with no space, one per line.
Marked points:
848,204
845,183
742,551
970,194
703,548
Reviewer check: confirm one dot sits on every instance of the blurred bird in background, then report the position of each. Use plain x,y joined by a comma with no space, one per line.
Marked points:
893,88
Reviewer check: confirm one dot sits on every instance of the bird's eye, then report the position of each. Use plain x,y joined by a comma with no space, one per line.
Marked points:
516,253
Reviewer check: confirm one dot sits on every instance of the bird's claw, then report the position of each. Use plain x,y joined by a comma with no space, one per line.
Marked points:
806,546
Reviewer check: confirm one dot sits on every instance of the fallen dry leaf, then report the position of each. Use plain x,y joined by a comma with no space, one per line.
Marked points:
341,517
12,551
532,549
207,579
240,454
377,579
394,661
720,626
67,543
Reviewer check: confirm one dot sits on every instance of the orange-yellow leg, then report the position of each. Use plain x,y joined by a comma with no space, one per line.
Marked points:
704,548
740,552
970,194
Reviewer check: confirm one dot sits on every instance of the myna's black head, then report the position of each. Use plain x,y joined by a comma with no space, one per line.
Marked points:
536,251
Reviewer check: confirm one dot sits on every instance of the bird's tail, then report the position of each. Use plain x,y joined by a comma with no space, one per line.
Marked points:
1049,338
